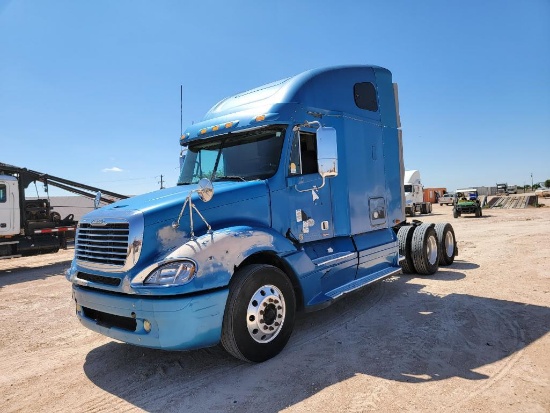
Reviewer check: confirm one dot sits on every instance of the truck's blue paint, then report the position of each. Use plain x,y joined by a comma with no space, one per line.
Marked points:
328,244
180,323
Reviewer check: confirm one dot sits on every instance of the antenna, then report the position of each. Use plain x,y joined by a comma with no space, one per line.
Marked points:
181,110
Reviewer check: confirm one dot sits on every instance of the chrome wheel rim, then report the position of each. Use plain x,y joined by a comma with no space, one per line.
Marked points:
431,250
265,314
449,244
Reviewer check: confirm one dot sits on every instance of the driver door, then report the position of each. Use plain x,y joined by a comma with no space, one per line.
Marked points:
310,205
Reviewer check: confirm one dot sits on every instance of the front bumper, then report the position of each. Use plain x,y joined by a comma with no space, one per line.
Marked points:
467,209
181,323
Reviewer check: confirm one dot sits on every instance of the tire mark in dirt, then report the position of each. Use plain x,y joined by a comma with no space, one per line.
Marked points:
332,319
518,335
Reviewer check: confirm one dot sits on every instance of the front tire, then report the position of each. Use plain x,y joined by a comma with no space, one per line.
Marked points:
259,314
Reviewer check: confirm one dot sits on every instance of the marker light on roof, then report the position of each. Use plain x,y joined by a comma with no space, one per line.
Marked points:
228,125
215,128
202,131
259,118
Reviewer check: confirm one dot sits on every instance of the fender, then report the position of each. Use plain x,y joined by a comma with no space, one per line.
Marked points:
216,255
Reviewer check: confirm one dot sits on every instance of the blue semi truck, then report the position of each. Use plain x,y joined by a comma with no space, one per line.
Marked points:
290,195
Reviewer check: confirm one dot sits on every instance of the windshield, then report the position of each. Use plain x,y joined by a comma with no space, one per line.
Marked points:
408,188
240,156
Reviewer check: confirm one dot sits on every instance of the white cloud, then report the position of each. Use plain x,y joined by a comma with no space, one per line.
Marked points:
113,169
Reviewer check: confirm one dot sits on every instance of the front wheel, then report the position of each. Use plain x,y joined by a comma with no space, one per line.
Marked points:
259,314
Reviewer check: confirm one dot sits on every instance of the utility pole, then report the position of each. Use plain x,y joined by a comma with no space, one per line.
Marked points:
531,181
161,182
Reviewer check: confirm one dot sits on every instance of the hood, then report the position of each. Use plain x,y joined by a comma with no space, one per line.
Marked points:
166,204
233,204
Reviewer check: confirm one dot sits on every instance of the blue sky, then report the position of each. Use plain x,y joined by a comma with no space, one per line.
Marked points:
90,90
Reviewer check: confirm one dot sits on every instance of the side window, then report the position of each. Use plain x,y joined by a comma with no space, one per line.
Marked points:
3,193
295,166
365,96
303,158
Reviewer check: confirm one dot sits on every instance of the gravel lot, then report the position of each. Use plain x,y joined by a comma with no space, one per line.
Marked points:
473,337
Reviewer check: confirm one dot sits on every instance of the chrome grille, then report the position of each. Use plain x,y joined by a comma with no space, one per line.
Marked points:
106,244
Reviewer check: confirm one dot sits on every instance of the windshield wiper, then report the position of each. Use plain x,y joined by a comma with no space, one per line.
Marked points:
229,178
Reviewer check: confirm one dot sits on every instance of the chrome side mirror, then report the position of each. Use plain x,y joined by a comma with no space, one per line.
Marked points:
206,190
97,199
327,152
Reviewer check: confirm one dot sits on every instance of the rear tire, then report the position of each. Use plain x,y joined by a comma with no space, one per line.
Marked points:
447,243
404,237
424,249
259,314
455,213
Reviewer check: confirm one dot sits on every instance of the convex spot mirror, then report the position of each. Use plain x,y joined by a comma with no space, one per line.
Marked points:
206,190
97,199
327,153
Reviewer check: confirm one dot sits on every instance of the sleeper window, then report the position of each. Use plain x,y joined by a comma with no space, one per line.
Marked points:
365,96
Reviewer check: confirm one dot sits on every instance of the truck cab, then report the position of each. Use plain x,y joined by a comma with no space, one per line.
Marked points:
9,206
289,197
414,194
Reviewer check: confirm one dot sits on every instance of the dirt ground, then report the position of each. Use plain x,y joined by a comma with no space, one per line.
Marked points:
472,337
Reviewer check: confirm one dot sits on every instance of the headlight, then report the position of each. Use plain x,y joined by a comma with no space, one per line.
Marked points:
173,273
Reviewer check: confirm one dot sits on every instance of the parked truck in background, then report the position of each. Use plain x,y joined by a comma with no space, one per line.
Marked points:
290,196
448,198
502,189
414,195
31,226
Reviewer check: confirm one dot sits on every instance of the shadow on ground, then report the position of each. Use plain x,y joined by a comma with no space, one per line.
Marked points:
25,273
393,330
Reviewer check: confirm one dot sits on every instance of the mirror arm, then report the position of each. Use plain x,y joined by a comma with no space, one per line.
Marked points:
192,207
307,124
